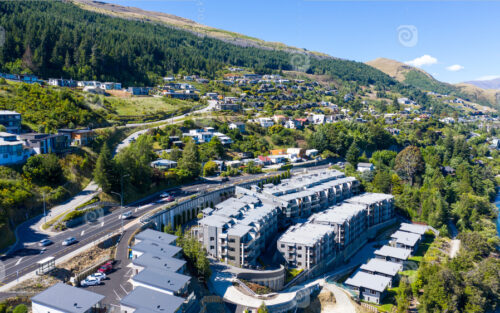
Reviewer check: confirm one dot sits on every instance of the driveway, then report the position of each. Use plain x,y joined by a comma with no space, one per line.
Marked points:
343,303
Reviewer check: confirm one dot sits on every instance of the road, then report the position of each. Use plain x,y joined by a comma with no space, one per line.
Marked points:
125,143
23,258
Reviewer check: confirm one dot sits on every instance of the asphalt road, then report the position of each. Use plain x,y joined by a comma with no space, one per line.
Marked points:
24,257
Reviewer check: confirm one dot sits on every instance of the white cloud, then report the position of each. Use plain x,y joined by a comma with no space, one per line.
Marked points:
455,68
488,77
422,61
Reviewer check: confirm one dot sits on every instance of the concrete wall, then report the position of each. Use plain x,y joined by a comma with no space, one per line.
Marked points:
274,279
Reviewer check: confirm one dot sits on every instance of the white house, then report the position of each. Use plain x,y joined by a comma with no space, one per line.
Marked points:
238,125
265,122
12,150
62,298
370,287
365,167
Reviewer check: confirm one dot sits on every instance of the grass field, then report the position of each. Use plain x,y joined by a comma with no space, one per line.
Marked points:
147,105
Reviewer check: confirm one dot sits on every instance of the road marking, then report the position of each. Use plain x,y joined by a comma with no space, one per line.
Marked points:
117,295
19,261
83,232
102,224
123,289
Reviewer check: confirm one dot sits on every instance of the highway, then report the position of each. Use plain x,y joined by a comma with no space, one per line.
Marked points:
24,257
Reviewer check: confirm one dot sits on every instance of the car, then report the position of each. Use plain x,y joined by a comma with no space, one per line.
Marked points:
97,275
69,241
169,199
45,242
164,194
225,178
105,268
125,215
90,282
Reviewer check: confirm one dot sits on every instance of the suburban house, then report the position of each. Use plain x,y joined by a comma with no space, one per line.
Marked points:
238,125
62,298
60,82
144,300
156,249
227,106
311,153
414,228
45,143
11,120
167,282
164,164
12,150
365,167
265,122
78,137
405,240
382,268
138,91
160,263
370,287
393,254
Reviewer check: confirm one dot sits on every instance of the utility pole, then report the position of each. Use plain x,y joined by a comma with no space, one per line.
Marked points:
121,197
44,214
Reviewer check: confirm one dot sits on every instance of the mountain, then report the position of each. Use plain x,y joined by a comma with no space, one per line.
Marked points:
421,79
486,84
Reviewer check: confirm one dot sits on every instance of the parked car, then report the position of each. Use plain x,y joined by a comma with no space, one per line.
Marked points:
105,268
45,242
97,275
69,241
90,282
125,215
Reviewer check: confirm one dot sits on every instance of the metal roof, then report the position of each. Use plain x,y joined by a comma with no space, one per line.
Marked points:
156,236
382,266
153,301
406,238
306,234
369,281
75,300
166,280
164,263
398,253
414,228
155,248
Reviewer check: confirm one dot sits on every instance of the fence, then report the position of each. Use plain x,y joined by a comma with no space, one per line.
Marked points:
369,307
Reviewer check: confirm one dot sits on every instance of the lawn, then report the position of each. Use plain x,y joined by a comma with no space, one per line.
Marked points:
291,273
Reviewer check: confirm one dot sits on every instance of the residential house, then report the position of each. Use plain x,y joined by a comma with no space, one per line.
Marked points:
265,122
146,300
138,91
12,150
393,254
156,249
414,228
164,164
405,240
78,137
365,167
167,282
45,143
160,263
11,120
63,298
311,153
237,125
370,287
382,268
62,82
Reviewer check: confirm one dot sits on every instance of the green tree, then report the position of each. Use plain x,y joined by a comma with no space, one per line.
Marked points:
44,169
262,308
105,174
20,308
352,155
403,295
409,163
210,168
190,161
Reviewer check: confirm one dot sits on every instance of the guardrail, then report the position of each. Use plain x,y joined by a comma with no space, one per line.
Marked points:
98,204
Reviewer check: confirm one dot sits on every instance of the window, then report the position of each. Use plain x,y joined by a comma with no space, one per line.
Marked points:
212,238
299,255
299,248
299,263
212,247
282,245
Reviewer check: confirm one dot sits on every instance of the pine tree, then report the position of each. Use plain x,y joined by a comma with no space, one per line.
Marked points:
105,174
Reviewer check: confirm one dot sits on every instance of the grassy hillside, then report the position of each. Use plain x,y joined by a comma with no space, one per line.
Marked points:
420,79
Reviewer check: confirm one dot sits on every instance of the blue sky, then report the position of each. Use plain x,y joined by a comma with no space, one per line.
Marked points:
453,40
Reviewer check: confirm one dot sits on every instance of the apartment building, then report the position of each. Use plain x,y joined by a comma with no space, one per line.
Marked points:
312,192
347,219
305,245
238,229
380,206
11,120
12,150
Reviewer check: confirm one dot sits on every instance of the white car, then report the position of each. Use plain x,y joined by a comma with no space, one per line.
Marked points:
69,241
164,195
97,275
125,215
90,282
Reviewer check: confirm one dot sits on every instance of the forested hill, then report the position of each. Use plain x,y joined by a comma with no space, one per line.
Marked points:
59,39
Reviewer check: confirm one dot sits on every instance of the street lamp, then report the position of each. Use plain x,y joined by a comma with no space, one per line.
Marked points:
121,196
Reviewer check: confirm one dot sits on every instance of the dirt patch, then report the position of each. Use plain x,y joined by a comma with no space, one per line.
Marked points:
324,302
63,272
119,93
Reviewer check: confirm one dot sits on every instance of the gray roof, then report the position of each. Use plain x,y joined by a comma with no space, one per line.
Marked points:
406,238
75,300
152,301
370,198
338,214
163,263
239,230
370,281
382,266
161,279
156,248
156,236
397,253
214,220
414,228
306,234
